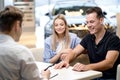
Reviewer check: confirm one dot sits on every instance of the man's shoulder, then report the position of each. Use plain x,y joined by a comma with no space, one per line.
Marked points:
111,35
20,48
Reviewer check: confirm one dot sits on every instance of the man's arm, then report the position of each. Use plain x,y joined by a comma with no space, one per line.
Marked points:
107,63
72,55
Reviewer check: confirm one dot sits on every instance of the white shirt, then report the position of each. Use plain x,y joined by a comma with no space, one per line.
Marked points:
16,61
60,47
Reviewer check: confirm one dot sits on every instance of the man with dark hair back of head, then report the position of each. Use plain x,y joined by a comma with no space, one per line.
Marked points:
16,61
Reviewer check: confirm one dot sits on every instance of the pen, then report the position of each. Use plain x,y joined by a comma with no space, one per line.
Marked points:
54,76
49,66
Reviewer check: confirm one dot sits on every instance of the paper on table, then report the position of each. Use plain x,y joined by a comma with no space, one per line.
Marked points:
42,66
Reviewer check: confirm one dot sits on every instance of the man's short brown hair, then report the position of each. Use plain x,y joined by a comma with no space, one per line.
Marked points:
97,10
8,16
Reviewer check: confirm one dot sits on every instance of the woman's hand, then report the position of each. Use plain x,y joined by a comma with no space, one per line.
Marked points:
62,57
64,53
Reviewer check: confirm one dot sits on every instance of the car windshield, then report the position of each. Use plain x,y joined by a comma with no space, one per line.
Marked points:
71,8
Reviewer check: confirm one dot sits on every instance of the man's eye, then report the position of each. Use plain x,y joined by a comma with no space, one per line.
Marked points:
91,21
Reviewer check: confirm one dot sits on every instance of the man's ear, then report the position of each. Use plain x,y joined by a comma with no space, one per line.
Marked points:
101,20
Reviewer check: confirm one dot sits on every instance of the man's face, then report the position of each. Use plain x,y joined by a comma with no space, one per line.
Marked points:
94,23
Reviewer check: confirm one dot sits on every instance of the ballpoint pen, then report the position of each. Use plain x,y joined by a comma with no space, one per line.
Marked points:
49,66
53,76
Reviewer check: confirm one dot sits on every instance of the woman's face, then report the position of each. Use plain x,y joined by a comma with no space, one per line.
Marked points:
59,26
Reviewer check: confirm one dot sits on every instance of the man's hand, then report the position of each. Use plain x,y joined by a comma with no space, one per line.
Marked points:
61,65
80,67
46,74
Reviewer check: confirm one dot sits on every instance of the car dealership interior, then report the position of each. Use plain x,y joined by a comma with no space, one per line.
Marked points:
39,16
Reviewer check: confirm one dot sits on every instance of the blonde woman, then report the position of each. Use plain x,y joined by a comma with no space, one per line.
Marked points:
60,42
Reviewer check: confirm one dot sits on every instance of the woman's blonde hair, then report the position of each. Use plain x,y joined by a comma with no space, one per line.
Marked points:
66,33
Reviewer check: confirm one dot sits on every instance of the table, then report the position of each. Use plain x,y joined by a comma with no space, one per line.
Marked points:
69,74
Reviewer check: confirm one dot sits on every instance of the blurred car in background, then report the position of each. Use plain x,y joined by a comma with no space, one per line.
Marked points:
40,12
74,12
72,7
74,22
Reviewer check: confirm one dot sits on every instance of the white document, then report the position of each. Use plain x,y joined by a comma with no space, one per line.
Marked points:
42,66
